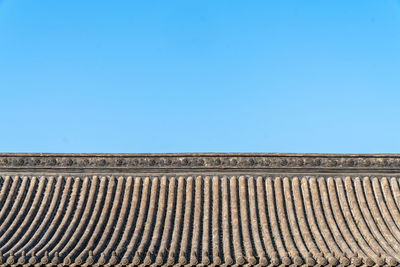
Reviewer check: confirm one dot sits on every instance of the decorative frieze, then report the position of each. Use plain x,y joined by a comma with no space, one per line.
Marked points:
199,161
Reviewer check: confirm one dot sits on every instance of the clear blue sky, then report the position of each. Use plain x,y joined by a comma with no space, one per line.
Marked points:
200,76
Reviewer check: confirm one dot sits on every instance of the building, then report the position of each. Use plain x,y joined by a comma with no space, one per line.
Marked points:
199,209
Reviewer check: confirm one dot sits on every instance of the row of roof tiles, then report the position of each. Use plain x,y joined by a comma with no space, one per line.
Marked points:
199,220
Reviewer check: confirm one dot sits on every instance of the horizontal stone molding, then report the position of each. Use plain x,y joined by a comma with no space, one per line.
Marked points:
234,161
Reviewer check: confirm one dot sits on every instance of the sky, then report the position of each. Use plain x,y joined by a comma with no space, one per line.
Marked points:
200,76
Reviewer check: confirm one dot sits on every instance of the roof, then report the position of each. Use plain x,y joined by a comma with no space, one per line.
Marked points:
199,209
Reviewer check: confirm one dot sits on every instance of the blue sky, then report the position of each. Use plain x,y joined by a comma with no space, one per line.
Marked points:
200,76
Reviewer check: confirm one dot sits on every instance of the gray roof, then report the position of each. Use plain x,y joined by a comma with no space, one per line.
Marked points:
199,209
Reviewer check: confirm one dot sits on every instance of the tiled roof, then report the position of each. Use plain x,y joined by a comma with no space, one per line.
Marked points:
101,215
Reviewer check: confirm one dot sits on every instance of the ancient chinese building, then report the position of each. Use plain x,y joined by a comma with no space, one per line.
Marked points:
199,209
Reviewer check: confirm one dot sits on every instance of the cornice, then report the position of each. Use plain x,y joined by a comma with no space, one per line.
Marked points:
202,161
